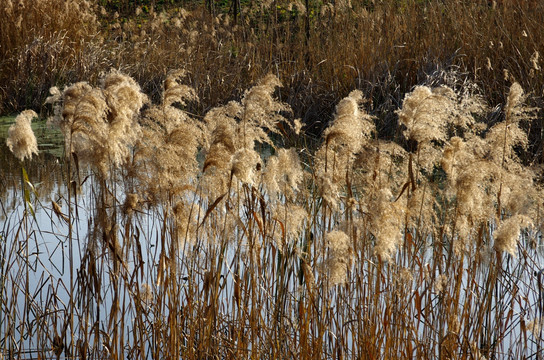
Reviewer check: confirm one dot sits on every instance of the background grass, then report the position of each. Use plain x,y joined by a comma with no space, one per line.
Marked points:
320,54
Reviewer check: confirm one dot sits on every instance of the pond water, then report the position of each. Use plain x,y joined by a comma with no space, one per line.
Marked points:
42,257
36,265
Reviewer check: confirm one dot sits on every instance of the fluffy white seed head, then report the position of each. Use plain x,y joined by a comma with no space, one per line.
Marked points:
340,256
21,140
507,234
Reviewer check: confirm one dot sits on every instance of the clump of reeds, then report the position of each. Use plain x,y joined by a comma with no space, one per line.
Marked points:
243,42
209,237
41,40
168,135
100,125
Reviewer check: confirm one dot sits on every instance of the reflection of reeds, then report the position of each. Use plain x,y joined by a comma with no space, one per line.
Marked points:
370,249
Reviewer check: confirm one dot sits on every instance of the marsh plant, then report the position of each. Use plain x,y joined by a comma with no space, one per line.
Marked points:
321,50
209,237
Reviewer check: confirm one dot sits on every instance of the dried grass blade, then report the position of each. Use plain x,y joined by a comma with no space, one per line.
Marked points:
212,206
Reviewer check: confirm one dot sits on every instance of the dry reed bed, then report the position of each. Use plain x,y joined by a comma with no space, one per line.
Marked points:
362,248
320,53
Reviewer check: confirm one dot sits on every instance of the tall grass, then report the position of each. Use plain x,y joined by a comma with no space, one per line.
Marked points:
321,53
183,239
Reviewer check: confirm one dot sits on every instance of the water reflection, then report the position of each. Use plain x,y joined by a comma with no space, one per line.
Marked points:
42,267
35,278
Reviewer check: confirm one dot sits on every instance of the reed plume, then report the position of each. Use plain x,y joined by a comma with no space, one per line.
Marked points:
339,258
283,173
351,125
426,112
387,220
350,130
221,140
433,114
100,125
291,219
261,112
186,218
507,234
220,146
235,129
21,140
166,154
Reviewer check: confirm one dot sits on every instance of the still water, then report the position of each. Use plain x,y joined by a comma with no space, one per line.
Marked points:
42,257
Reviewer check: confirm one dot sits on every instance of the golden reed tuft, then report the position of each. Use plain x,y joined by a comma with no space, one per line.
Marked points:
21,140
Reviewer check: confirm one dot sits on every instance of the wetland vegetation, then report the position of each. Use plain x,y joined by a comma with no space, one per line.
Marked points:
271,180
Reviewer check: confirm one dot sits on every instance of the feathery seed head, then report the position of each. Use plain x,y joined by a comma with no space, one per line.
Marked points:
168,149
351,126
124,97
507,234
245,164
441,283
515,110
21,140
292,218
464,230
131,203
328,188
426,112
100,124
222,146
340,256
186,219
259,98
56,95
406,276
283,173
515,96
386,223
297,126
221,125
261,112
534,61
174,91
